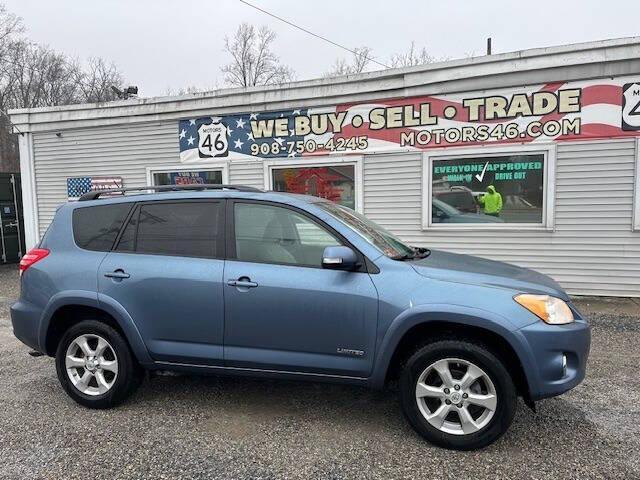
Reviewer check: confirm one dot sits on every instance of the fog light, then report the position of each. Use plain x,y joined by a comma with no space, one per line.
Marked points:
564,365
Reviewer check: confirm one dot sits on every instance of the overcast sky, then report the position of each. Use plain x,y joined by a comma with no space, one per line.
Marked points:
162,44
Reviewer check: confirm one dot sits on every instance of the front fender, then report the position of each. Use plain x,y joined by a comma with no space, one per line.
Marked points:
107,304
458,314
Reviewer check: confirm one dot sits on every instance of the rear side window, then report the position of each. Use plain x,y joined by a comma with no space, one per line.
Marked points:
96,228
179,229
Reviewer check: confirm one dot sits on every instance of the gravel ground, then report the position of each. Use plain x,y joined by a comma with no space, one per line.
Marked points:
209,427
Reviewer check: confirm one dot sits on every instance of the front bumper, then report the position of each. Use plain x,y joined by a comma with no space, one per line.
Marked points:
557,357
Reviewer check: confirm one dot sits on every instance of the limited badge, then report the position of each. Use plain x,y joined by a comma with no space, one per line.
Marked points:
212,140
631,106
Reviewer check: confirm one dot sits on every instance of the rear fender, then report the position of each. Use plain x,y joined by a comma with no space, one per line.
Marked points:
108,305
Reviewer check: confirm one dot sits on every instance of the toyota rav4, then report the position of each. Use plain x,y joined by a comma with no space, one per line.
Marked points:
233,280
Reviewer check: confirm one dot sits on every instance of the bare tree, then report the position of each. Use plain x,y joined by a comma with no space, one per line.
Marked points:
359,62
253,63
412,57
37,76
10,26
191,89
33,75
95,82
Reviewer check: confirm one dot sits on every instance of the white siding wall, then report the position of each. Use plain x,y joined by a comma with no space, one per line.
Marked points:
121,151
592,250
249,173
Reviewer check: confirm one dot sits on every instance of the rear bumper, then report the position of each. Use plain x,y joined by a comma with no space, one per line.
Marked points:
557,357
26,324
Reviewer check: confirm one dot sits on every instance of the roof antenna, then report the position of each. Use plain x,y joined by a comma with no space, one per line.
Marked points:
489,46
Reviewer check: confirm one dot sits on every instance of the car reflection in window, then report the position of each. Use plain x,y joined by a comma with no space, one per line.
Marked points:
444,213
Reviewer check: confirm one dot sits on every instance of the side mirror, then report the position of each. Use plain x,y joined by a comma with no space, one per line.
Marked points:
339,258
438,215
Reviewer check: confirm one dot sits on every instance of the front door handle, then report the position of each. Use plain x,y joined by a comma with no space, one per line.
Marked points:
120,274
242,282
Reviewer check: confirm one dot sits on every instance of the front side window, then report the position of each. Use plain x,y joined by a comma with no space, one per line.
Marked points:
192,177
179,229
271,234
333,182
96,228
488,189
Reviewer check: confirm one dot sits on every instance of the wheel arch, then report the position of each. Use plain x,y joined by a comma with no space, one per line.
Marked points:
413,329
65,310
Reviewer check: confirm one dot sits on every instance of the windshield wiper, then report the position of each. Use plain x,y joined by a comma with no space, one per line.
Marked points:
417,253
422,252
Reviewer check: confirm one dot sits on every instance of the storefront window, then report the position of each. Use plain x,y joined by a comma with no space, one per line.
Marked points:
488,189
188,177
335,182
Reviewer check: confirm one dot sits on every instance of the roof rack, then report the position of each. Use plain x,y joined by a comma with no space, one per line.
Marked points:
95,194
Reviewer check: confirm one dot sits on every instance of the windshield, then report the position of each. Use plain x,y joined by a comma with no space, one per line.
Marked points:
445,207
390,245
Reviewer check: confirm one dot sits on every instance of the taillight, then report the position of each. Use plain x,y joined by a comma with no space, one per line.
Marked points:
32,256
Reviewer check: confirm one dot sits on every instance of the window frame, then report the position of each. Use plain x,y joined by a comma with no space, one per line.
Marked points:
635,224
230,237
206,167
329,161
135,211
548,184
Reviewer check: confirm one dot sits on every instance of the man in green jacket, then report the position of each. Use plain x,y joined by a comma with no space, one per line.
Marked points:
492,202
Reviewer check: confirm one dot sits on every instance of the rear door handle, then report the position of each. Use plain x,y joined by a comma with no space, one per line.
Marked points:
242,282
117,274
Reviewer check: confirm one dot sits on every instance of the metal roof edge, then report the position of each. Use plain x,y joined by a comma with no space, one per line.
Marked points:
328,90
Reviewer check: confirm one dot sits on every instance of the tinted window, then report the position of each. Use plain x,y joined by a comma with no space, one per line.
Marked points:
96,228
269,234
128,237
183,229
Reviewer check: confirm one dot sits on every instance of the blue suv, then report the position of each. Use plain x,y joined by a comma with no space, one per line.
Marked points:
234,280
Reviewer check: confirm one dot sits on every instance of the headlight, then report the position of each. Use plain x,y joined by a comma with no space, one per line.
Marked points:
551,310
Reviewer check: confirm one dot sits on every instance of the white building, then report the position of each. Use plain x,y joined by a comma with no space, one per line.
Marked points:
554,131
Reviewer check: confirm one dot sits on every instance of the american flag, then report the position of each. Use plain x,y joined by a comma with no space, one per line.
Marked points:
78,186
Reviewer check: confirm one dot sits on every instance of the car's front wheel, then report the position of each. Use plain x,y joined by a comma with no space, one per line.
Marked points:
457,394
95,366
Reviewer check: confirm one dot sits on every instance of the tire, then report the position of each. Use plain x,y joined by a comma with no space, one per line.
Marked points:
89,375
483,424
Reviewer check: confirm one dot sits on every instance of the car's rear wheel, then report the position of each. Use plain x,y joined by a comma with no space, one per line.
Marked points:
95,365
457,394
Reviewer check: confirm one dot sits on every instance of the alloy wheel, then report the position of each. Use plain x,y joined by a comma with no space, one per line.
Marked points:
456,396
91,364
